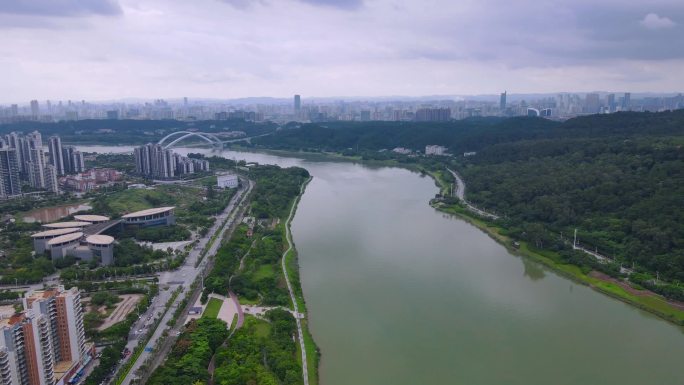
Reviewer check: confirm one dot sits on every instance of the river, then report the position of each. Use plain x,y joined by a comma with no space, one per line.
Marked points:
401,294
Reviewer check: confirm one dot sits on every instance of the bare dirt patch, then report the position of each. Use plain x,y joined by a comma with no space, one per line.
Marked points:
123,308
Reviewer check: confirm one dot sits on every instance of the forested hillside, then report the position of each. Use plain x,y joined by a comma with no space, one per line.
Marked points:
617,178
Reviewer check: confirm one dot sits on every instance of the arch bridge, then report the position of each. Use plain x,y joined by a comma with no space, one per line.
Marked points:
207,137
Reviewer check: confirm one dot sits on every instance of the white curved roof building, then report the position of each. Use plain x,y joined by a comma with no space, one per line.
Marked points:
91,218
41,239
63,225
159,216
59,246
102,246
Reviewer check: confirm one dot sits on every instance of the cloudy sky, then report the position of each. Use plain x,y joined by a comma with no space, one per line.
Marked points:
111,49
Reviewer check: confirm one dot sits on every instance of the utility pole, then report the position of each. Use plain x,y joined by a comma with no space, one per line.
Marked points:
574,242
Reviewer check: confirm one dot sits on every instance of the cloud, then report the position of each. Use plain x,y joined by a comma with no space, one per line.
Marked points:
342,4
653,21
236,48
63,8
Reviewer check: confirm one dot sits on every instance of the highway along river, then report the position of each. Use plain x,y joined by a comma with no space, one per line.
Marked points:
399,293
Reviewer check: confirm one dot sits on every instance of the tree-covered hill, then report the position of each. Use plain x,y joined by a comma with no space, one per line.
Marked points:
617,178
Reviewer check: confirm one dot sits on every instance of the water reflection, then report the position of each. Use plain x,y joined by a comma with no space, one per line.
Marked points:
51,214
533,270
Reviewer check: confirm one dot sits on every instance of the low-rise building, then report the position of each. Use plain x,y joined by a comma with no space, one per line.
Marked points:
435,150
227,181
160,216
41,239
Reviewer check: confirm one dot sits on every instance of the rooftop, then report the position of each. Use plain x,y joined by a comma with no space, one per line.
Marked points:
91,218
65,238
55,232
61,225
142,213
100,240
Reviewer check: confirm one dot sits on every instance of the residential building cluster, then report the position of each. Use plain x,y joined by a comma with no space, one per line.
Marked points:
153,160
24,160
45,343
91,179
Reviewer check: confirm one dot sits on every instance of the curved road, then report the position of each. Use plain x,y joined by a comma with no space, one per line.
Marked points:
305,369
460,194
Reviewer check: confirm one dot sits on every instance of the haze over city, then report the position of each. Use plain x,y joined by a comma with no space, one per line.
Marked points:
117,49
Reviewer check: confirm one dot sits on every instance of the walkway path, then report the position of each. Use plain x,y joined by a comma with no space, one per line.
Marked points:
288,233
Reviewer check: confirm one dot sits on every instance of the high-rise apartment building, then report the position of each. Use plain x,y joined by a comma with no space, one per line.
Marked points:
73,160
36,168
155,161
502,102
9,173
50,178
56,157
44,344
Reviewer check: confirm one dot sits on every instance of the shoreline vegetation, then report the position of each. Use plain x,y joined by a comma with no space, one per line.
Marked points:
291,266
642,299
254,264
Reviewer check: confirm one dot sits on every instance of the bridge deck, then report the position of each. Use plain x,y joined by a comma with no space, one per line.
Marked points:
101,227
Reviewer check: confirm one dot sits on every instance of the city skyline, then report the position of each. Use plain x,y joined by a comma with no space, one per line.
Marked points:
107,49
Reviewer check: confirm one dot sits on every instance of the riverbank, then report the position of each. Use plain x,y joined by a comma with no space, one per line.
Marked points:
290,264
644,299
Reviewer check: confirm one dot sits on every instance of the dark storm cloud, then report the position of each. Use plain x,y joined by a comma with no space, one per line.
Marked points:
60,7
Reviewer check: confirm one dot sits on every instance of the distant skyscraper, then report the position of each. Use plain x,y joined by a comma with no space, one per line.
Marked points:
592,103
297,104
113,114
56,156
627,102
610,102
9,173
35,110
502,102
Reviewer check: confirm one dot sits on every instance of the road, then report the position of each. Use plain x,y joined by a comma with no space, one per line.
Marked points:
181,277
288,233
460,194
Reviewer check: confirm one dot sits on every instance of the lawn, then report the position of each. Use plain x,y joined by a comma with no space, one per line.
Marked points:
213,307
264,271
